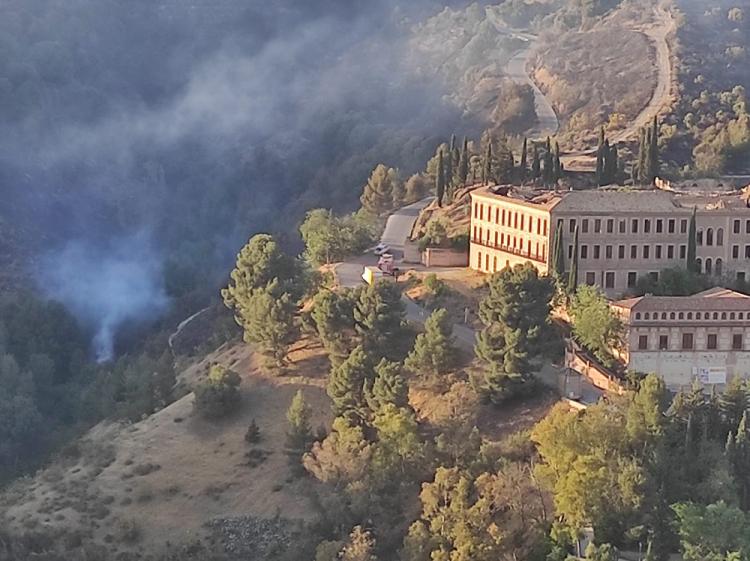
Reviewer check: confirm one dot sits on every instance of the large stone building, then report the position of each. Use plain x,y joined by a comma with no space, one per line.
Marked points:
623,234
683,338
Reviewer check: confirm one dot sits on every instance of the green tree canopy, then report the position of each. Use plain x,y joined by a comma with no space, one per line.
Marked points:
595,325
434,351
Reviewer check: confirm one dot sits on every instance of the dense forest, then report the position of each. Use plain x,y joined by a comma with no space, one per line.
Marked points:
151,138
709,131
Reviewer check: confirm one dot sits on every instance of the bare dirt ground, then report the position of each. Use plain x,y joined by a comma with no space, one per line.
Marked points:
625,61
172,472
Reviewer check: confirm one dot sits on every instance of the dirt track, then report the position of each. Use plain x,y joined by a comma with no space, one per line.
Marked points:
661,98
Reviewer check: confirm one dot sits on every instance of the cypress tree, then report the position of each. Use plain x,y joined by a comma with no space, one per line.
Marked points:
523,166
449,176
557,163
558,254
548,144
463,163
440,180
613,164
536,167
573,275
653,152
548,172
692,262
600,153
487,173
642,158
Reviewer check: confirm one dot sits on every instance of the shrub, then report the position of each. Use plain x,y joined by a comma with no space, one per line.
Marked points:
127,531
434,284
218,396
252,435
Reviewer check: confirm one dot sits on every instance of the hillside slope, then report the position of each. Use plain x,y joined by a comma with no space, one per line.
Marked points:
139,487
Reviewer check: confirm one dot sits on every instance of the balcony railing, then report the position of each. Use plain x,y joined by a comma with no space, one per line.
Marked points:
512,250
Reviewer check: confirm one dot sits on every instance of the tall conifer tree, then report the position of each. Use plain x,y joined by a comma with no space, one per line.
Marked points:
440,180
463,163
523,166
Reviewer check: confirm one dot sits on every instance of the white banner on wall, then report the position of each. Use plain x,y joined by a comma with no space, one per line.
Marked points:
711,374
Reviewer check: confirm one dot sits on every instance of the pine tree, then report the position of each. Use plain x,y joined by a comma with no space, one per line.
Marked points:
733,402
523,166
377,196
515,315
346,386
573,274
379,320
692,261
463,163
536,166
389,386
434,351
299,433
268,321
440,180
333,316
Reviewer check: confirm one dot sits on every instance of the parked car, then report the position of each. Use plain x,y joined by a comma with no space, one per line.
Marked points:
381,248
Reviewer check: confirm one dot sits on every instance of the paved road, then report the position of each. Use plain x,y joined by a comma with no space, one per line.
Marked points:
547,122
397,230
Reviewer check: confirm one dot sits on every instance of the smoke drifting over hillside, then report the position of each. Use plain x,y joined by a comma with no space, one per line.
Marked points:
106,285
197,123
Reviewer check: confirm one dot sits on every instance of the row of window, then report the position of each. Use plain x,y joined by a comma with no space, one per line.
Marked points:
690,315
688,343
512,244
650,225
659,253
497,265
607,225
511,219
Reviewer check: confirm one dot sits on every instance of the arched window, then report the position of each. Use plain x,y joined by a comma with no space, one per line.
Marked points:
699,265
638,315
710,236
723,315
699,237
716,315
671,315
708,267
740,315
718,267
720,236
731,315
664,315
690,315
646,316
680,316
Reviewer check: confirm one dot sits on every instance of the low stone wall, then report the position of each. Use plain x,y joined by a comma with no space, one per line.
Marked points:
596,373
436,257
412,253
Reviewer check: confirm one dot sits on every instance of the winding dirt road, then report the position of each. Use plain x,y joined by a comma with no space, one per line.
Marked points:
548,122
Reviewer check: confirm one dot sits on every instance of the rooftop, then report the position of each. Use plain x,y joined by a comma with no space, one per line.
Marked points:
713,299
619,199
